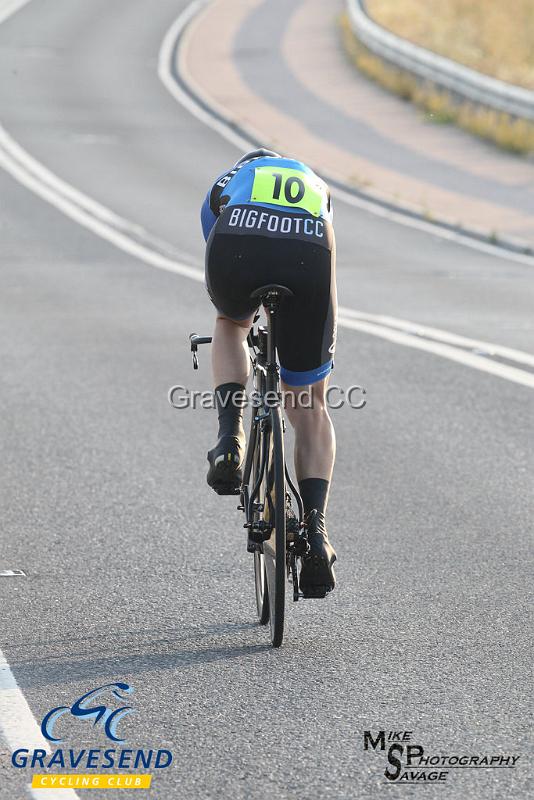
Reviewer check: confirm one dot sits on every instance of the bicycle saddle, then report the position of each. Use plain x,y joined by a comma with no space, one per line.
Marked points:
271,289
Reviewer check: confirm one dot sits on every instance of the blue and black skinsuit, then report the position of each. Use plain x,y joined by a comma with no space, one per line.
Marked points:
269,220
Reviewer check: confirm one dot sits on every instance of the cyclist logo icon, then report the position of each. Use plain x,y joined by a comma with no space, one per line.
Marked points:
107,716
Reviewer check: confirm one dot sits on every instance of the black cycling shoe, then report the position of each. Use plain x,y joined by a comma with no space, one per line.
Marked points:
317,576
225,474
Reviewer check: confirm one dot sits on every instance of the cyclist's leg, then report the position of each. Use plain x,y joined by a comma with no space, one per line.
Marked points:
231,366
306,344
229,353
315,441
230,362
315,450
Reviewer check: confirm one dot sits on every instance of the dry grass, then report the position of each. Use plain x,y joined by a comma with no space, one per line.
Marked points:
492,36
514,135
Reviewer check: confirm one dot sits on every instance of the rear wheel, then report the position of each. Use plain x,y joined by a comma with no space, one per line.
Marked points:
275,547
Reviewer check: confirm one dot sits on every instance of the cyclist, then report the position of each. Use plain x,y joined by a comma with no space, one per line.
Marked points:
269,220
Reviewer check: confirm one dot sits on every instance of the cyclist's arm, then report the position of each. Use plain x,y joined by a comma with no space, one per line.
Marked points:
207,217
330,207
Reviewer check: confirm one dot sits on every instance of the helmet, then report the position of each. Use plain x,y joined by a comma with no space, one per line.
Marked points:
261,152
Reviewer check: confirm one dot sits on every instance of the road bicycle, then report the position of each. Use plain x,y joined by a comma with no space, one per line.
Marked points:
276,533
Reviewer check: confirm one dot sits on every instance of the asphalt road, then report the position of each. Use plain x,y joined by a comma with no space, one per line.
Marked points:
136,572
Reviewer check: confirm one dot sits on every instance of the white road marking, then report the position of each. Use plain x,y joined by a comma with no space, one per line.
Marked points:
116,230
429,227
168,80
103,222
52,794
9,7
83,209
519,356
17,722
99,211
18,725
228,131
444,350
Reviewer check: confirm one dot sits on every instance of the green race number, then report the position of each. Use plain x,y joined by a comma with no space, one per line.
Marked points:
289,187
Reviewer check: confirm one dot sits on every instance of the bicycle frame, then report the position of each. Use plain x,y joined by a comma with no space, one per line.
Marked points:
275,535
266,373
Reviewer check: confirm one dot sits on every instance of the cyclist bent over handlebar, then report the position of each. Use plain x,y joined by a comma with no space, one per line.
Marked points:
269,220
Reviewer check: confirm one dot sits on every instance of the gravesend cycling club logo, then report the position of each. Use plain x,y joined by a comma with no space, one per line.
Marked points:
106,708
107,716
409,763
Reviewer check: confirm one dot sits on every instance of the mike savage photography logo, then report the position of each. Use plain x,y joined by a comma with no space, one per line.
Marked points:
107,707
409,763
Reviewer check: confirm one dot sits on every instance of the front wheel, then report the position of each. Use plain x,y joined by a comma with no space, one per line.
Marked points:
262,593
259,442
275,547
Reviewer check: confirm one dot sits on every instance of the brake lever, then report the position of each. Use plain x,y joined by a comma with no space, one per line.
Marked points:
195,340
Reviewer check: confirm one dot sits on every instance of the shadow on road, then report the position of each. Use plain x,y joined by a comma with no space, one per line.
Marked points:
135,652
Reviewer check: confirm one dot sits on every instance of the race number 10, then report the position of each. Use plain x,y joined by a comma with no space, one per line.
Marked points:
289,187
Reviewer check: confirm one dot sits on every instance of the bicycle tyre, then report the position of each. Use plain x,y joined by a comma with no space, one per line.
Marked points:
275,546
262,592
260,577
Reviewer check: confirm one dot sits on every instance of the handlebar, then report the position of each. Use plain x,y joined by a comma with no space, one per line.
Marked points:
195,340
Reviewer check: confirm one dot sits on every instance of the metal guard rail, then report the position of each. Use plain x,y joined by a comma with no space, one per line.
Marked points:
428,66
